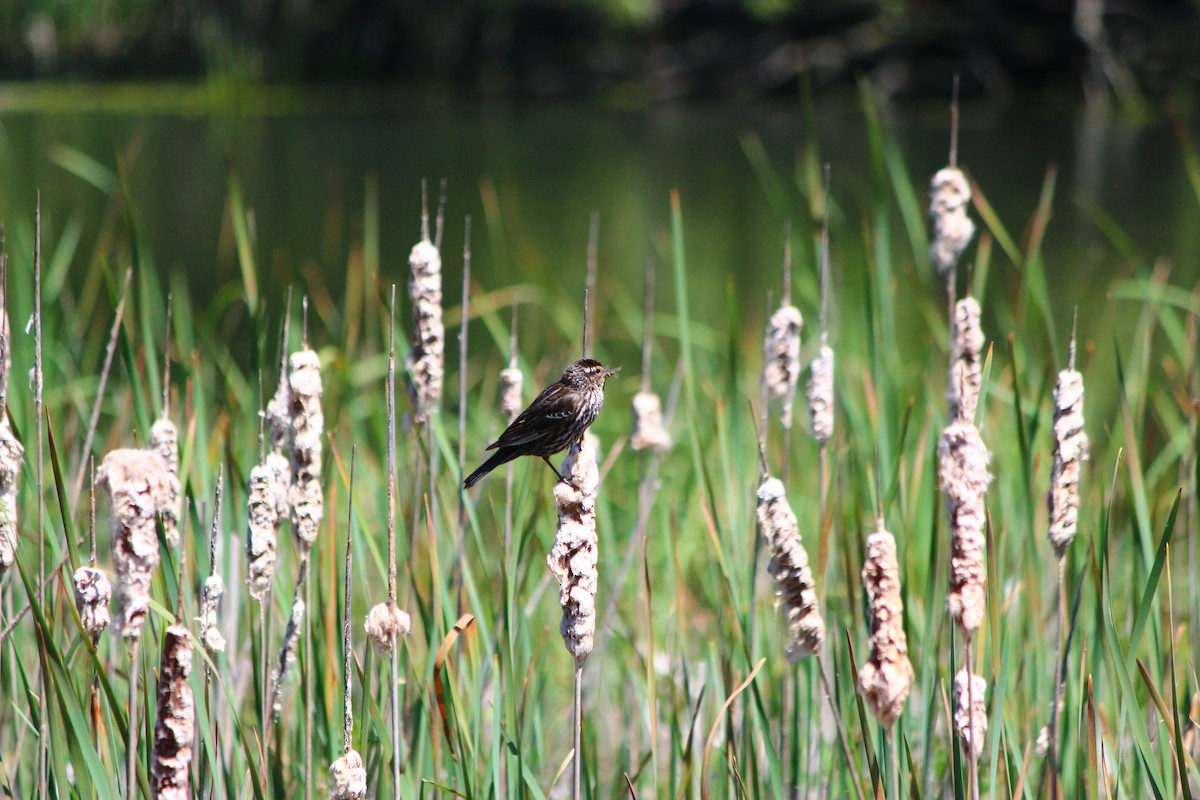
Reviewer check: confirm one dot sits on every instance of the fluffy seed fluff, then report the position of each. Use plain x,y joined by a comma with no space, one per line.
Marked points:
820,396
11,453
1070,451
307,427
781,366
425,358
386,623
164,440
174,732
279,428
511,382
949,196
963,464
886,678
348,777
575,553
795,589
966,368
137,482
970,719
210,597
262,519
648,430
92,595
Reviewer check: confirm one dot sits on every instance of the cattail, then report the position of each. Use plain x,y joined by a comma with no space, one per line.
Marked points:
820,395
92,595
949,196
1070,450
648,430
137,480
262,522
781,369
287,655
164,440
511,381
210,596
964,476
174,732
970,711
307,427
425,358
11,453
795,589
348,777
575,553
386,623
966,368
887,676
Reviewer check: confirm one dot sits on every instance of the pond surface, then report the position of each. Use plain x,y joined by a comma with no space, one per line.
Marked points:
550,166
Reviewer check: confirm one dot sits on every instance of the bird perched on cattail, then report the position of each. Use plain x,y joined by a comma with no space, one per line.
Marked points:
556,419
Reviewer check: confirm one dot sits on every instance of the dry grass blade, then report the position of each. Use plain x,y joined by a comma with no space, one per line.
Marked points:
716,726
464,624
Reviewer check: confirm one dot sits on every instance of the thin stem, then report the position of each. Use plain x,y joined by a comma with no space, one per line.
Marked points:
462,406
894,741
44,717
441,216
973,760
391,448
424,210
395,722
166,387
1059,674
1071,347
347,642
954,125
787,262
577,759
589,280
825,264
131,745
841,729
647,324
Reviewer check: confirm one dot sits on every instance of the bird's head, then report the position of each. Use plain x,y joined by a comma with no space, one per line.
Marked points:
587,373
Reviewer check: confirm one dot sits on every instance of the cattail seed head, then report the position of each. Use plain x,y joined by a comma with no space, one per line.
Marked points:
386,623
1070,451
307,426
575,553
949,197
781,368
137,480
970,718
966,366
262,521
820,396
511,381
92,595
425,358
964,476
348,777
795,589
210,597
11,453
648,430
287,655
174,732
886,678
164,440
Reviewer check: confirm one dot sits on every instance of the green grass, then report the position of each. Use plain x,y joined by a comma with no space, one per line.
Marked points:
694,614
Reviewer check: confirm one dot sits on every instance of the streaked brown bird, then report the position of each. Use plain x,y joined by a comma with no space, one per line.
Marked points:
555,420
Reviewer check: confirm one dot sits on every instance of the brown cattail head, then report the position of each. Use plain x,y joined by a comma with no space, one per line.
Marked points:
820,396
307,426
963,463
1070,451
575,553
11,453
795,589
164,440
966,366
174,732
425,358
949,197
279,424
648,430
92,595
262,521
137,481
386,623
210,597
886,678
348,777
970,711
781,367
511,381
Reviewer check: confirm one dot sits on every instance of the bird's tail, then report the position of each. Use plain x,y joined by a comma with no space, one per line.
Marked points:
501,456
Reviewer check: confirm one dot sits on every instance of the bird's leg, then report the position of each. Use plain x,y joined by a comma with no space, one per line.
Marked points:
559,474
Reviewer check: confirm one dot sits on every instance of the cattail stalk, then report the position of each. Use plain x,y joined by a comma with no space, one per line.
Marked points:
463,331
795,589
964,473
966,367
426,357
886,678
347,774
174,730
43,769
287,648
164,440
11,450
214,585
307,428
970,717
781,367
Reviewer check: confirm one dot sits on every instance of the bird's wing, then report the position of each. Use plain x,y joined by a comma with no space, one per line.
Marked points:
548,409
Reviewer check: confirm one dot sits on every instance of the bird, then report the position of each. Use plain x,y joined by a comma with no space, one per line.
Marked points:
556,419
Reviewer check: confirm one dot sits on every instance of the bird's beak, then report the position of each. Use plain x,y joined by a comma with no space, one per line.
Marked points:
608,373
